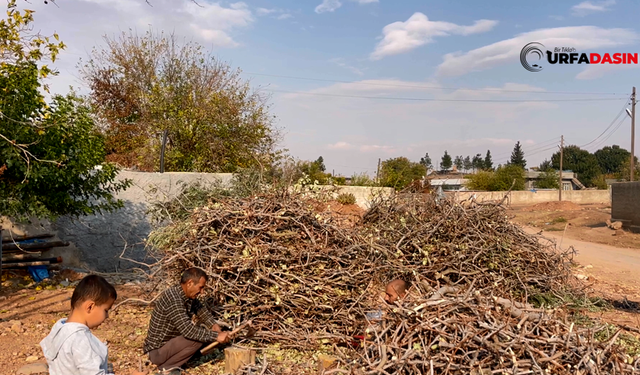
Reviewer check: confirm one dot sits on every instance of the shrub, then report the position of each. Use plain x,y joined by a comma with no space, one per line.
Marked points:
361,179
346,198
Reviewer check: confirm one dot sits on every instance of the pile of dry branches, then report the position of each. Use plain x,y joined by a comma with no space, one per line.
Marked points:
305,281
469,333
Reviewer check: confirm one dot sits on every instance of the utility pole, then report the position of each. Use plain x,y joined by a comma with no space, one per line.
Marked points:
560,173
378,172
633,133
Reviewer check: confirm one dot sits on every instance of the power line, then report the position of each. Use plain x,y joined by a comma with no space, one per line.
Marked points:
608,127
533,153
431,87
597,146
445,100
529,149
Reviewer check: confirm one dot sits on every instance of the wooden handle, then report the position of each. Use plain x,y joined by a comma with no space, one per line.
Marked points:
209,347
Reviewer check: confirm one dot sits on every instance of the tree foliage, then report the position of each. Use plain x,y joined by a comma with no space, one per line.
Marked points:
517,156
144,85
315,170
611,159
548,180
500,180
446,162
426,162
48,153
459,162
400,172
580,161
487,163
545,166
477,162
467,163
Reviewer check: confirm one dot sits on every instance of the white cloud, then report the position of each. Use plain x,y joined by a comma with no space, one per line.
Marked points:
332,5
418,30
265,11
340,146
279,14
82,24
285,16
341,63
507,51
211,21
328,6
594,71
588,7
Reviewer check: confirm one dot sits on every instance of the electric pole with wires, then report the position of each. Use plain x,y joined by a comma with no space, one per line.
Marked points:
560,172
632,165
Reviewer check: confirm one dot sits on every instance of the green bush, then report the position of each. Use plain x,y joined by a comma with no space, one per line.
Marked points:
500,180
346,198
361,179
548,180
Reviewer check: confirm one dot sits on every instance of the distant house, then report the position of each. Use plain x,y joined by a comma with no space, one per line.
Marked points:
449,184
569,180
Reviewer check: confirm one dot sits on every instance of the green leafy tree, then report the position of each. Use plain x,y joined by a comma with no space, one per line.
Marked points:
487,163
315,170
426,162
612,158
477,162
500,180
580,161
446,162
481,180
548,180
545,166
505,176
320,163
459,162
467,164
142,86
625,172
517,156
399,172
361,179
51,156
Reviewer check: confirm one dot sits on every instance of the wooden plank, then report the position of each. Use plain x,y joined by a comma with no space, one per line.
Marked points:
16,257
23,238
35,245
235,358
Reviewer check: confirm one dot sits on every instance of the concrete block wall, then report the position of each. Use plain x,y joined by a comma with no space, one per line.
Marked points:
97,241
539,196
625,204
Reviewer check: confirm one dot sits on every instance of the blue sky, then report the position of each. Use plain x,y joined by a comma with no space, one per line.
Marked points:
443,50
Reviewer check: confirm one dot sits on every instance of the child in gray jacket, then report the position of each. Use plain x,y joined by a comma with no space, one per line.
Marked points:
71,348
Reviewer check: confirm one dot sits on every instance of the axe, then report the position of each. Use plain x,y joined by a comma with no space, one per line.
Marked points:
250,332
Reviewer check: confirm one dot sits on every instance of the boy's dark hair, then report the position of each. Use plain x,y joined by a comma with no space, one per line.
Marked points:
93,288
194,274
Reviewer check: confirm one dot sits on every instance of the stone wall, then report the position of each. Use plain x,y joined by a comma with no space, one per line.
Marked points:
539,196
625,204
97,241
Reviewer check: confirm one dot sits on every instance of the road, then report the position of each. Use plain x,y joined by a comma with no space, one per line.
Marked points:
613,265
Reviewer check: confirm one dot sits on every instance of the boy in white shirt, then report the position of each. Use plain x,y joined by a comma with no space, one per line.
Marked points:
71,348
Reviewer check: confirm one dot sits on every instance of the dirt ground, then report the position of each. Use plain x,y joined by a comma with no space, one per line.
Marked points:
583,222
28,311
608,260
606,263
